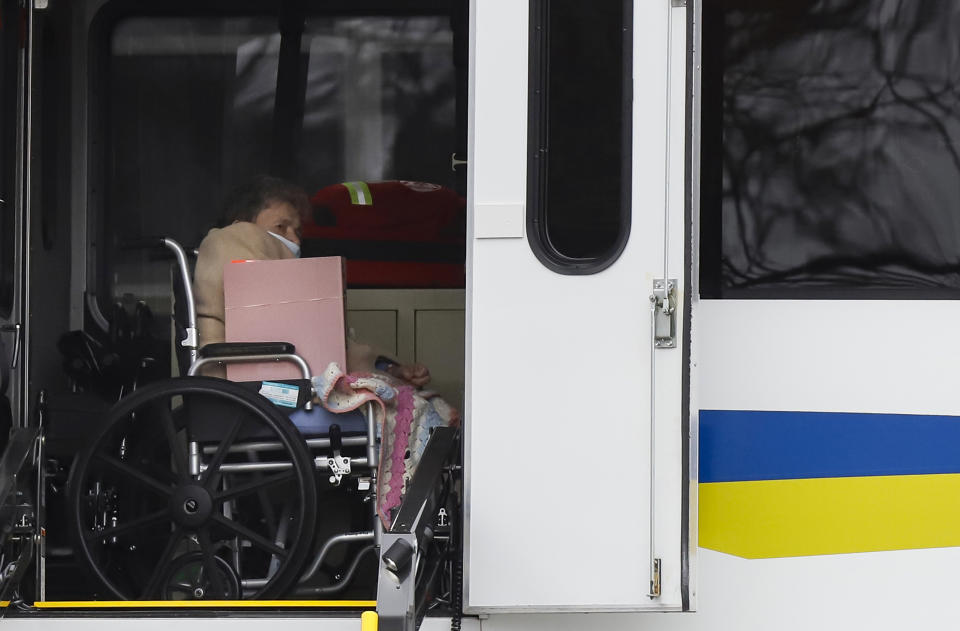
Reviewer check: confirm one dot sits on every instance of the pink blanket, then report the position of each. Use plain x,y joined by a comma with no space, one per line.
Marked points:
405,418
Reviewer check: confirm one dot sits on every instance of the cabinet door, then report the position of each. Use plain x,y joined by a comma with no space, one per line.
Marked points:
415,325
377,327
440,347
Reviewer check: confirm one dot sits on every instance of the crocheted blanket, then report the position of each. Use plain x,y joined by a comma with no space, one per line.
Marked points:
405,418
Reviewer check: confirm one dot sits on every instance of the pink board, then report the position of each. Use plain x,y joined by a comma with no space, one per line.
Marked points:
294,300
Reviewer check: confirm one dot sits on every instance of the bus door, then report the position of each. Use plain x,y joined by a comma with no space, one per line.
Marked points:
15,24
575,427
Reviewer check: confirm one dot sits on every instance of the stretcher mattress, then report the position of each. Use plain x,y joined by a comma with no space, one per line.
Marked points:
393,234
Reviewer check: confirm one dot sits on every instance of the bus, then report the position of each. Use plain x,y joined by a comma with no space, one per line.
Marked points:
661,258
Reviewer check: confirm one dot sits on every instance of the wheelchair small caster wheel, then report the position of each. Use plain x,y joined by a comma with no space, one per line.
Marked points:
190,578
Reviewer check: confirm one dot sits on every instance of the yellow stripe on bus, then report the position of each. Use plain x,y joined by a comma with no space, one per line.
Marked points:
812,516
151,604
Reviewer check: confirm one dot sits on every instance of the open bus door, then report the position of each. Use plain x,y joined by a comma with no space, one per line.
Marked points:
576,438
15,23
18,443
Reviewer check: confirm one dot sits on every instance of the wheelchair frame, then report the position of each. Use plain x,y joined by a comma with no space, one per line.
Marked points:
337,464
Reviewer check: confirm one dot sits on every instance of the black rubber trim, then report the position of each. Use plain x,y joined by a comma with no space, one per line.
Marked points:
229,349
688,192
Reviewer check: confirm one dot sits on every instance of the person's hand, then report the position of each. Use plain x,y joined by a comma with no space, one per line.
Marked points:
417,374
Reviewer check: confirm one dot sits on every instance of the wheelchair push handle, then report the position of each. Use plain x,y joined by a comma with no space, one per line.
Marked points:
180,254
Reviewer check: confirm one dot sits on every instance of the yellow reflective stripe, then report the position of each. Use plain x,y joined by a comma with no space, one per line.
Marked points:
352,189
365,193
360,194
4,603
782,518
151,604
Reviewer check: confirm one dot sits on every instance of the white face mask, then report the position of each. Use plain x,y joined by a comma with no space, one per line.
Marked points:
293,247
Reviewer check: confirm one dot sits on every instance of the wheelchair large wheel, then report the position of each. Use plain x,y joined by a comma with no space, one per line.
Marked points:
195,470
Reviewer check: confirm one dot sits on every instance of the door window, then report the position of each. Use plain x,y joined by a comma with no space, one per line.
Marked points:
580,146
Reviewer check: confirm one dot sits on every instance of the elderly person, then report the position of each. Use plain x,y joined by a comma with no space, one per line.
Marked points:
265,218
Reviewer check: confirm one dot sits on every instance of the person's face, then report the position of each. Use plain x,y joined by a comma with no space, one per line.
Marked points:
280,218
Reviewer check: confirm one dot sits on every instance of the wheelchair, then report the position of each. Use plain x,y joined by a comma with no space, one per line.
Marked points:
199,488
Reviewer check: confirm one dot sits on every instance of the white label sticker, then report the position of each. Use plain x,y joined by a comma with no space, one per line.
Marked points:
280,393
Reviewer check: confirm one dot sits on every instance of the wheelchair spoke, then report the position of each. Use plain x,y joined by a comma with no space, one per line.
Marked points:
209,477
178,450
153,584
210,564
140,522
256,485
243,531
135,474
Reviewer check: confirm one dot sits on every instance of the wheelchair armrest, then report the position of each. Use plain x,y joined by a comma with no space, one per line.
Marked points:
239,352
230,349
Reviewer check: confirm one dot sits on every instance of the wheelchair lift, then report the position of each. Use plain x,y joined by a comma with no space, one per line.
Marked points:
410,557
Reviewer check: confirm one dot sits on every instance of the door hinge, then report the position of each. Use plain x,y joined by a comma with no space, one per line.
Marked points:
664,305
655,580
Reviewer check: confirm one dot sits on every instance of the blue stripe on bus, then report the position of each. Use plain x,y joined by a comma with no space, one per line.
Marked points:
747,445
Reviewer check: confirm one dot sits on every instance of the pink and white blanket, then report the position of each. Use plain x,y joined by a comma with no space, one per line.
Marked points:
405,418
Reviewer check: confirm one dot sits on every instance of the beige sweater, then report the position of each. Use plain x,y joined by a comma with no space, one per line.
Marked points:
244,241
239,241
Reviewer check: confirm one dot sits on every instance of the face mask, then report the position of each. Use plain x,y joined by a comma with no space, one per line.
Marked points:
293,247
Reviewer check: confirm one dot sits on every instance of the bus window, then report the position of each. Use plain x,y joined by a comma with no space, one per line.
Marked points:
830,158
188,108
380,101
192,106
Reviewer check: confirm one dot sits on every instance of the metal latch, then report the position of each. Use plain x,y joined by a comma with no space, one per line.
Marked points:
664,306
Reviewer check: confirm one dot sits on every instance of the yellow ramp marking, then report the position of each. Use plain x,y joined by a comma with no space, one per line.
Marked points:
201,604
369,621
781,518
